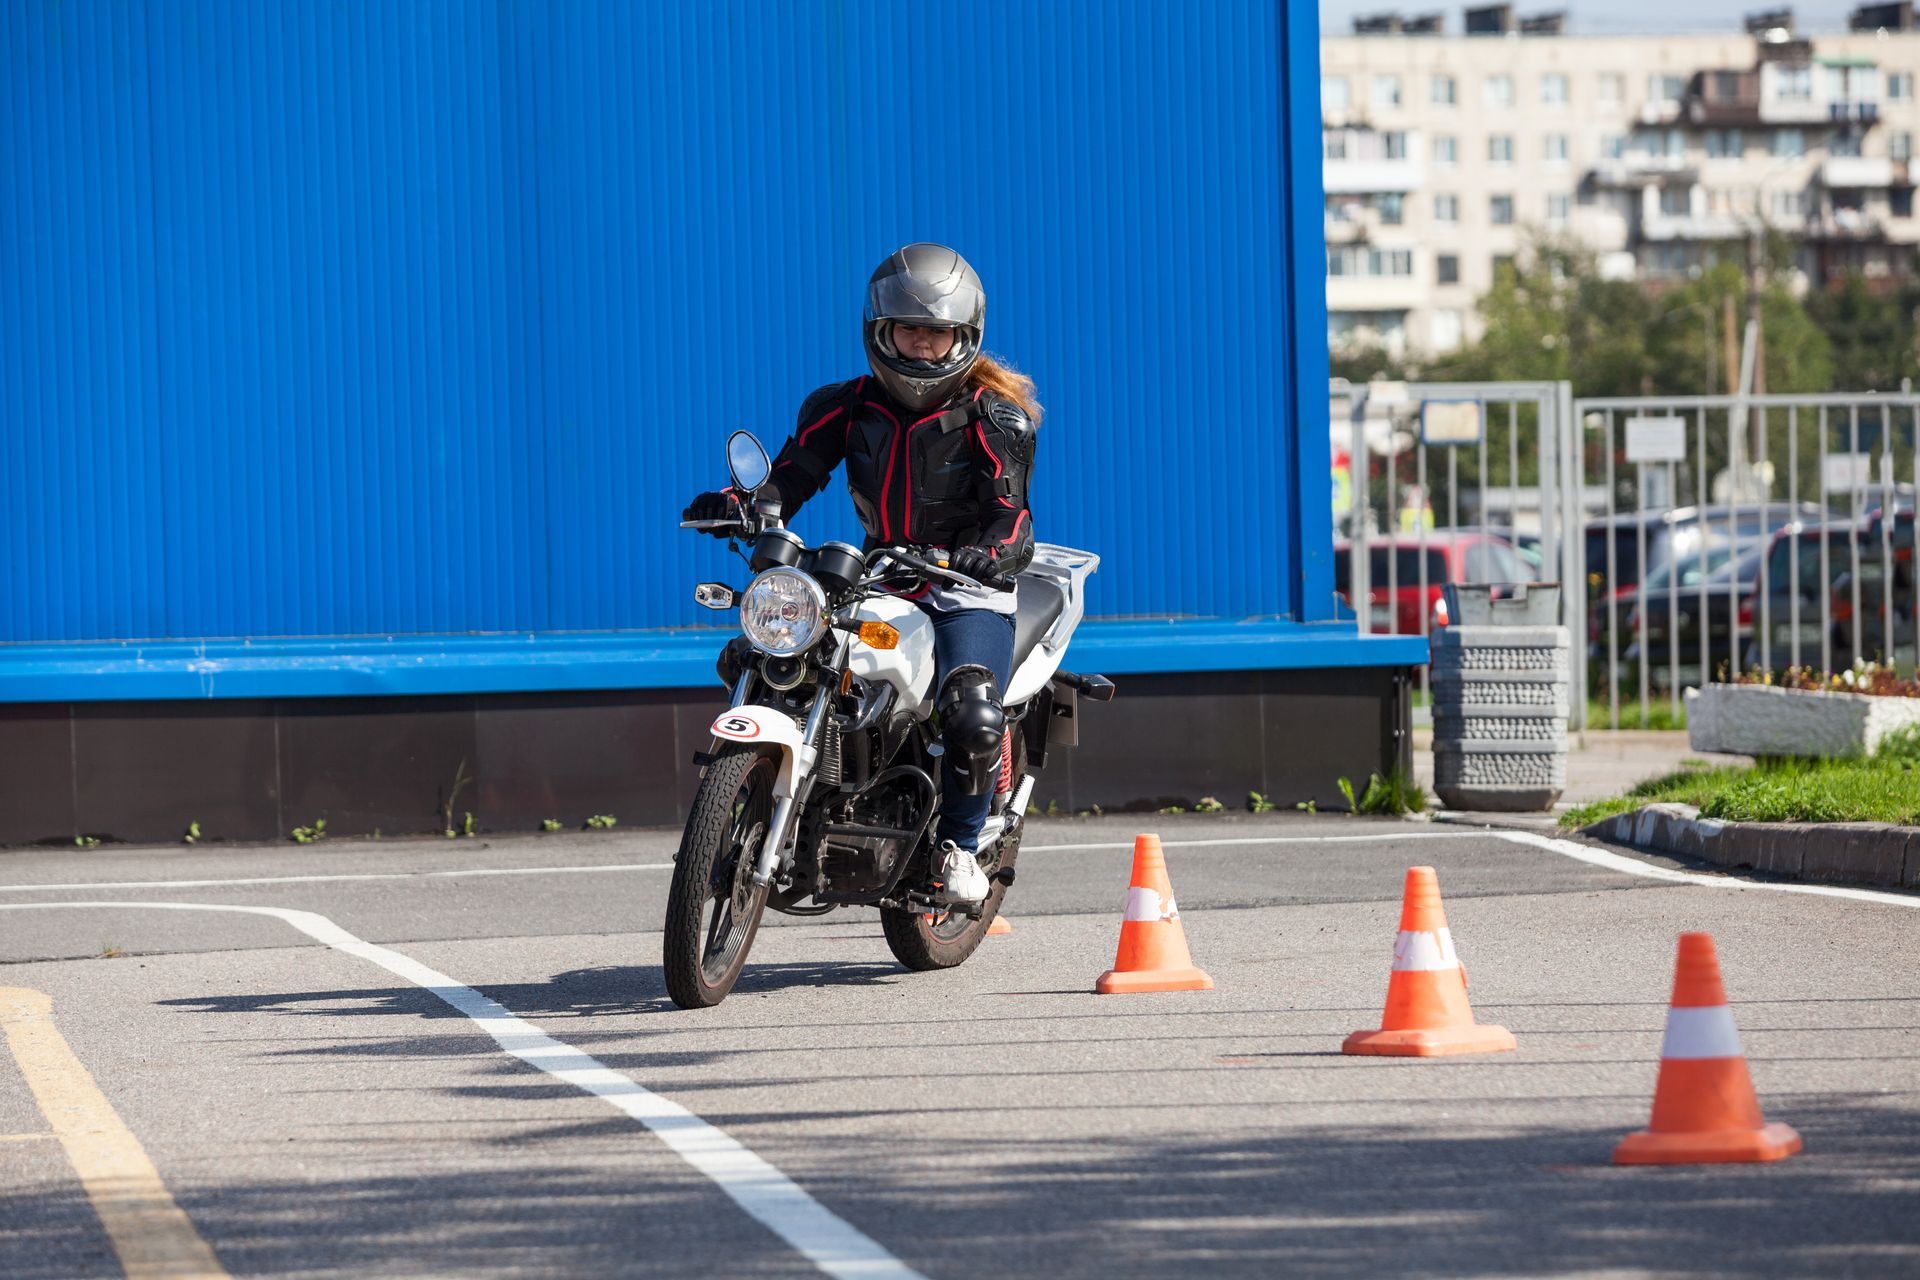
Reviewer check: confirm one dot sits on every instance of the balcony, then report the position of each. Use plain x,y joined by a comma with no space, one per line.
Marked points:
1638,168
1355,177
1375,293
1689,226
1849,172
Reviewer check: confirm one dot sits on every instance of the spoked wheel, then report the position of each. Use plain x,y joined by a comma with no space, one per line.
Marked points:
714,908
940,940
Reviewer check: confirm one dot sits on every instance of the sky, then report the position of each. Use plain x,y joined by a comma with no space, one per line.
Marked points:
1605,17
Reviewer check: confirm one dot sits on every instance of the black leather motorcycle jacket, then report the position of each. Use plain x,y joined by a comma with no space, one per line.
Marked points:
952,478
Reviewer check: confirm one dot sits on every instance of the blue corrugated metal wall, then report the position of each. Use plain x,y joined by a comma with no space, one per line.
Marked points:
378,318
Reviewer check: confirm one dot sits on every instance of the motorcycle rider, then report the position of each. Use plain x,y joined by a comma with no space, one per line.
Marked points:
938,444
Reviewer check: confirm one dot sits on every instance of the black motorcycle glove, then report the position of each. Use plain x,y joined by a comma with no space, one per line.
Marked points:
719,505
982,564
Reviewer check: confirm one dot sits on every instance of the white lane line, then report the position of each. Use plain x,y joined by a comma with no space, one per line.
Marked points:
828,1241
1634,867
334,879
1384,837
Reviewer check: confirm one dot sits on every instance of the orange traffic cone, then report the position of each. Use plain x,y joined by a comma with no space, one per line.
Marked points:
999,927
1704,1110
1153,952
1427,1012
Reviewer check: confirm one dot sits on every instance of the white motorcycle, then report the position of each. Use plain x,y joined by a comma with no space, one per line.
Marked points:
820,788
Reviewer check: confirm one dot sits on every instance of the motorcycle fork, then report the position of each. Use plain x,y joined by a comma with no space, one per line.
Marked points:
785,806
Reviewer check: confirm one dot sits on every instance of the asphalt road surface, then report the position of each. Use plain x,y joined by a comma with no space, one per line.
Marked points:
396,1066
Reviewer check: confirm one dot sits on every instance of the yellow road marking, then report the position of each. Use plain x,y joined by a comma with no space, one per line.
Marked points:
152,1237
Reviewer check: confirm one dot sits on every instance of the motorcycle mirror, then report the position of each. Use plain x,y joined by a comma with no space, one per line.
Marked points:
748,462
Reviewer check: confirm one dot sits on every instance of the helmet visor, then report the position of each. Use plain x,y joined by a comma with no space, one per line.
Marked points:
952,302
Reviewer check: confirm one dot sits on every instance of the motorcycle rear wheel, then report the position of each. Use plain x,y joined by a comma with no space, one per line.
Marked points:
924,941
714,908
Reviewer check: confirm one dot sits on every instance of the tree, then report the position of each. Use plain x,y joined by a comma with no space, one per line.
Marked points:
1872,334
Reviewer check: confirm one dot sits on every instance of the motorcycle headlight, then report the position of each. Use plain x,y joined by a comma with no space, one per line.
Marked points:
783,612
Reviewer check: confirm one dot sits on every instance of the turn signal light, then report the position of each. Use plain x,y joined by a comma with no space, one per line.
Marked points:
878,635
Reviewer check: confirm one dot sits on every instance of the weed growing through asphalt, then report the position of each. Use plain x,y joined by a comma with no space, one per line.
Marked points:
193,833
460,780
602,822
549,824
110,950
1208,804
87,842
307,835
1394,794
1257,803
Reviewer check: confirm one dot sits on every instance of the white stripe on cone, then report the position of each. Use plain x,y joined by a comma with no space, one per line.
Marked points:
1701,1033
1424,952
1144,905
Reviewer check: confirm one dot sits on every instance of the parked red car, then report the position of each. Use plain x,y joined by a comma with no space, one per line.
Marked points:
1452,556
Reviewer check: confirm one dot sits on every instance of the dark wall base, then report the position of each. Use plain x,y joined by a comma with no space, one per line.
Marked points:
254,770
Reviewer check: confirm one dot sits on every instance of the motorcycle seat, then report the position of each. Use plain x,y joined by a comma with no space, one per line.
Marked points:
1039,601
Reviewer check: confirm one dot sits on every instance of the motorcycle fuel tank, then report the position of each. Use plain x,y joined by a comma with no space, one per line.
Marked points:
908,666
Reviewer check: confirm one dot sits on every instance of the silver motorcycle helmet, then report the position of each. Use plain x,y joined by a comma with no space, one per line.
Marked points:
926,286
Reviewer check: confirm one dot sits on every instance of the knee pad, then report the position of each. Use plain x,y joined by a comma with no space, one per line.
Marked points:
972,725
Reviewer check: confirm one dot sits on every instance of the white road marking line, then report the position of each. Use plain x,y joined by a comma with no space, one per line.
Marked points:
1634,867
775,1200
1384,837
335,879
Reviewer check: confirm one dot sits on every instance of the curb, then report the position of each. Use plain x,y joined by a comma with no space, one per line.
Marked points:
1851,852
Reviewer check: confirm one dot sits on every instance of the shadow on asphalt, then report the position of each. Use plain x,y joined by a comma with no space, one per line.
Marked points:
1307,1201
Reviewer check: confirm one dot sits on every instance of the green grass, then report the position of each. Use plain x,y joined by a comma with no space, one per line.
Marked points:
1658,715
1885,788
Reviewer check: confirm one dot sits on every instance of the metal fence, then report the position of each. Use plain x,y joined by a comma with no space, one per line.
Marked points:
1457,482
1751,533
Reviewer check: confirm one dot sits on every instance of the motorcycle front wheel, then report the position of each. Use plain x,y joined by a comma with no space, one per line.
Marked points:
714,908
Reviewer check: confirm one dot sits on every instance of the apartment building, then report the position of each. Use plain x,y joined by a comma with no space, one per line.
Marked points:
1661,153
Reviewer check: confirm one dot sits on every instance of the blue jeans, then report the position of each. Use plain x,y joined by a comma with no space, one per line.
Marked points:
963,637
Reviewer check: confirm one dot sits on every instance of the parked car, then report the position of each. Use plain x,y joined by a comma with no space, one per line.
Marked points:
1671,604
1680,534
1398,605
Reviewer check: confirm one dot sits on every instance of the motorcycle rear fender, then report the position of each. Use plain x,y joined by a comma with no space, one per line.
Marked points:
766,727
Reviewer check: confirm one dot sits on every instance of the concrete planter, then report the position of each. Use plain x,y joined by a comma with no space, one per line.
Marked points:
1758,720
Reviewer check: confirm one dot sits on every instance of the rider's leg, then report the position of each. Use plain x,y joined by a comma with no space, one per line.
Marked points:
968,638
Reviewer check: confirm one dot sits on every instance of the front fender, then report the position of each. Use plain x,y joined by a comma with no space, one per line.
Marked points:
766,727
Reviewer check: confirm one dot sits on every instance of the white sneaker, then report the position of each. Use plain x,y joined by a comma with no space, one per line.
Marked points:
962,880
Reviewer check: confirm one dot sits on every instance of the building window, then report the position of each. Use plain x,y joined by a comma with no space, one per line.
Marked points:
1613,146
1787,204
1392,207
1726,144
1899,86
1554,148
1788,144
1446,268
1900,202
1900,146
1613,88
1446,149
1500,148
1449,328
1559,209
1445,91
1386,91
1662,87
1446,208
1675,202
1500,208
1333,94
1553,89
1794,84
1843,142
1358,260
1502,262
1333,144
1499,91
1394,143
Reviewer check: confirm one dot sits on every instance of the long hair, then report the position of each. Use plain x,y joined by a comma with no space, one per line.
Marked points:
1006,382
